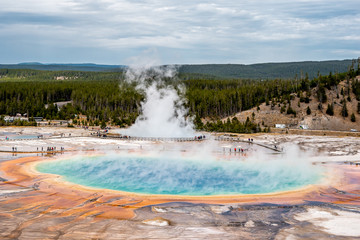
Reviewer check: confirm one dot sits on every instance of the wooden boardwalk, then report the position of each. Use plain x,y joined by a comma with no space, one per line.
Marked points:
156,139
237,139
42,138
118,137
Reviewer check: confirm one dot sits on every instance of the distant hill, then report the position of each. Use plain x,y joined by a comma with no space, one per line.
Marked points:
91,67
253,71
268,70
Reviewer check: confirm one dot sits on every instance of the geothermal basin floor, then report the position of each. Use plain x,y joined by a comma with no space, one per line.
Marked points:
38,206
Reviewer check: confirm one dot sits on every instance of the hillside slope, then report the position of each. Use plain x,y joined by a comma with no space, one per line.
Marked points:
285,70
318,119
88,67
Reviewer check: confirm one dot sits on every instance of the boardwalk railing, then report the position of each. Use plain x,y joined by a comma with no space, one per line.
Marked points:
156,139
119,137
237,139
43,138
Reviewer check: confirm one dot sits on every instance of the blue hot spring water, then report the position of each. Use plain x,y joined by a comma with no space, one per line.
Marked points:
182,176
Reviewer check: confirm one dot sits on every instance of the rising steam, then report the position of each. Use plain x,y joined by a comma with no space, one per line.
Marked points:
163,112
192,173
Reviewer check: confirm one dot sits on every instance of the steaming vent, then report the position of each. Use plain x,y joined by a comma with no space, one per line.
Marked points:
163,114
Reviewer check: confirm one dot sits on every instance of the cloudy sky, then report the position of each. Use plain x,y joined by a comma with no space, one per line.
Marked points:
222,31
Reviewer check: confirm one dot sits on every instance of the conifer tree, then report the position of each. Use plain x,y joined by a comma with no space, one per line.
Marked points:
352,117
344,111
308,111
330,109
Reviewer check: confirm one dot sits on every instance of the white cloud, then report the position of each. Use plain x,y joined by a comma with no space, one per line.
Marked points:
350,38
217,31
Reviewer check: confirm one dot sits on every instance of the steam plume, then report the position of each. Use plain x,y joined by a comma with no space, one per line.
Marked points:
163,112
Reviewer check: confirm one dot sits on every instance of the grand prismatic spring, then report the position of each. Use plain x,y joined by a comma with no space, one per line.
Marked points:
182,176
